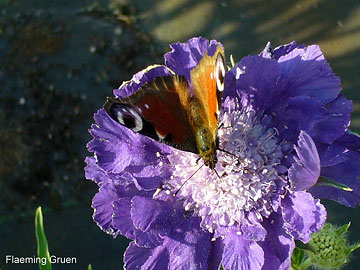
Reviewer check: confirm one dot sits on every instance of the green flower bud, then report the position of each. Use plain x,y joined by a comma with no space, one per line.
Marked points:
331,247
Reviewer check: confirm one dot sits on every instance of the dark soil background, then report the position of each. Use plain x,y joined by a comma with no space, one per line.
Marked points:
60,59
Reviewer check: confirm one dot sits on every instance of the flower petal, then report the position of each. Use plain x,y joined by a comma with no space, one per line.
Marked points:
350,140
285,49
94,172
343,168
103,207
331,154
148,214
252,229
305,171
216,254
256,80
302,214
301,113
240,253
150,177
116,147
139,258
122,218
305,72
348,173
185,56
122,221
337,120
278,245
191,250
187,248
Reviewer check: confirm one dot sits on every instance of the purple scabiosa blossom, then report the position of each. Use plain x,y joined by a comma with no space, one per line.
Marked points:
283,126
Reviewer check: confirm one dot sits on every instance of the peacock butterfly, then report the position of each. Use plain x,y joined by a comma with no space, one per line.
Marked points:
165,110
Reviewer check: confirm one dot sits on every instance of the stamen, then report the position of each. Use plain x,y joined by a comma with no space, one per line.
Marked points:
245,180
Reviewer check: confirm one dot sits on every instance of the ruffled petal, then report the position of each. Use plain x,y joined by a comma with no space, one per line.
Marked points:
187,248
278,245
150,177
123,222
103,207
302,113
305,171
256,82
305,72
117,147
285,49
240,253
139,258
122,218
340,162
148,214
215,257
191,250
302,214
347,173
252,229
349,140
335,123
185,56
331,154
94,172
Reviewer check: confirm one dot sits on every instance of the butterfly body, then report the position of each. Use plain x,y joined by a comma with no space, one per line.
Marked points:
205,139
165,110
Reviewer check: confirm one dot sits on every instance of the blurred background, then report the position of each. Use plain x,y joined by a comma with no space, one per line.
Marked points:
59,59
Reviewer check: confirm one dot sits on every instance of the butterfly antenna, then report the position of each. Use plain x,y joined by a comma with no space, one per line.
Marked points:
227,152
217,173
198,169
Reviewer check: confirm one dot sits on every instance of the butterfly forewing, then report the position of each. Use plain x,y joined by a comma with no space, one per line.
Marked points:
207,79
157,110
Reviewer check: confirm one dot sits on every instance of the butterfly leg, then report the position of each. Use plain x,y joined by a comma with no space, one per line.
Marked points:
197,161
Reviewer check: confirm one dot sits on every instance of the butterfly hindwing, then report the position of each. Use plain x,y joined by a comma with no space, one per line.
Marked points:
157,110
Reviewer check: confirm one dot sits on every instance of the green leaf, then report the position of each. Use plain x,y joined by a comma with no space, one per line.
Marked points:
324,181
90,267
42,244
343,229
297,257
354,247
303,246
299,260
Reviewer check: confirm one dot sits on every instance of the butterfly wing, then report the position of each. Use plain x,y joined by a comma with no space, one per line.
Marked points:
157,110
207,79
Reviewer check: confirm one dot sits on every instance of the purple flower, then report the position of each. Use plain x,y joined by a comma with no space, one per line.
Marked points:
283,125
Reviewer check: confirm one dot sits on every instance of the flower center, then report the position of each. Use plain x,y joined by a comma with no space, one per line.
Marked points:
248,177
